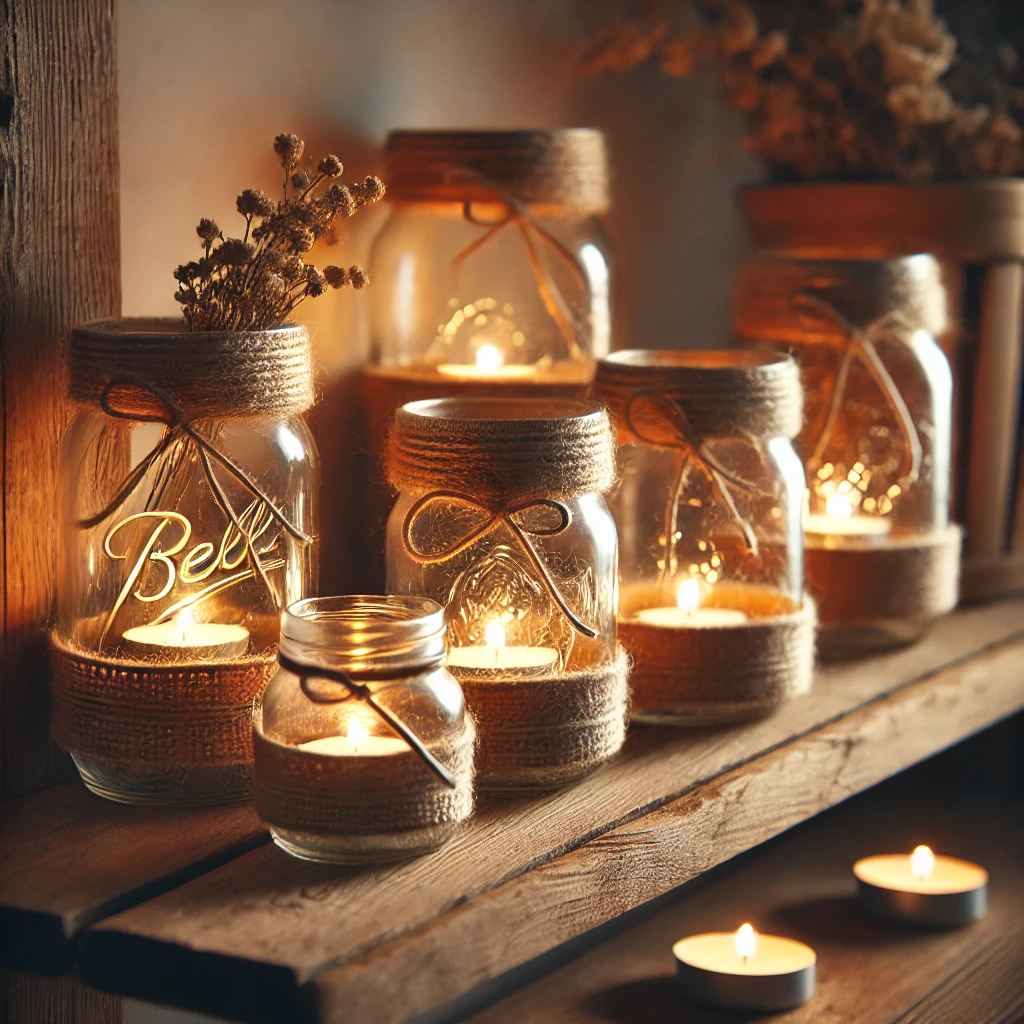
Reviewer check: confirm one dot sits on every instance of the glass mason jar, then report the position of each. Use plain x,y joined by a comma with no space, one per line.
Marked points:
882,558
500,518
188,491
491,274
364,748
708,513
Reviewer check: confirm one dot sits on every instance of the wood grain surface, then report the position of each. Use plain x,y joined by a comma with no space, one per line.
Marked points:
61,265
868,971
265,936
27,999
68,859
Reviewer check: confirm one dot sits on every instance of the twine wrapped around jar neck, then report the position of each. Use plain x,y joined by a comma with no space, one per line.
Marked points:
561,167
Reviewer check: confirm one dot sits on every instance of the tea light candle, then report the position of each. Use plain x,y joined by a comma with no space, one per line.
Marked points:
493,657
745,971
922,888
687,613
356,743
185,639
490,363
838,521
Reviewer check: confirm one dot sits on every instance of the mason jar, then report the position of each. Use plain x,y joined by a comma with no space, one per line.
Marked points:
708,512
188,491
500,517
882,557
364,747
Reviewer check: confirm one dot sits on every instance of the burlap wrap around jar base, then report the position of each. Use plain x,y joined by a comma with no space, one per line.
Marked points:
715,674
544,731
872,598
152,717
358,808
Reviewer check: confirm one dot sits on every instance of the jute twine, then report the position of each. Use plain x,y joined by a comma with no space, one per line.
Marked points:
564,167
906,578
543,731
311,792
652,394
158,717
211,374
502,451
723,673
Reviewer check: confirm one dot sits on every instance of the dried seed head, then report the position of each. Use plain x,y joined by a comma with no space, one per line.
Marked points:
255,203
301,238
289,148
336,277
207,230
357,277
299,181
340,197
233,252
330,166
316,283
292,267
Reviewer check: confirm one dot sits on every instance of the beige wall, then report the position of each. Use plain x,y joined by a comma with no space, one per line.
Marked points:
206,84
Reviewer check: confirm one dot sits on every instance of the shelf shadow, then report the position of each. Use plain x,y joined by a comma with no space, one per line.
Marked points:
655,1001
835,921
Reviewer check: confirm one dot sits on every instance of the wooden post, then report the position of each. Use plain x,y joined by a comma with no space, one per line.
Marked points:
59,223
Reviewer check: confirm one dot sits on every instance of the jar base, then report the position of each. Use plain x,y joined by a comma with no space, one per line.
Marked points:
187,786
843,642
697,717
384,848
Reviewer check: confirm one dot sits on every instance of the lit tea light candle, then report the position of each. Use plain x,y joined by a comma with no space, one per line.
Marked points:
490,362
357,742
493,657
922,888
838,520
687,613
745,971
185,639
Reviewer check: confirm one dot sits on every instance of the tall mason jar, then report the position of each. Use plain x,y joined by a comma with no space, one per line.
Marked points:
188,490
491,274
882,557
708,511
500,518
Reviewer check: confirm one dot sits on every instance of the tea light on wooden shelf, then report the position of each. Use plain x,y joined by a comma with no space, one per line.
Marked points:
745,971
839,523
184,639
687,613
922,888
494,658
357,742
490,364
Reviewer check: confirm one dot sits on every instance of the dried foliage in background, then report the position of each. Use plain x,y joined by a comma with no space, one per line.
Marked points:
839,89
254,282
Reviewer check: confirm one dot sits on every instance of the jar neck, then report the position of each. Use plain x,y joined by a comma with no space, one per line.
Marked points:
365,635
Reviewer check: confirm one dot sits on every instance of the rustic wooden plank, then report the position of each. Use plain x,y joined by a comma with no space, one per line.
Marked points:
267,926
61,251
68,858
25,999
868,971
645,858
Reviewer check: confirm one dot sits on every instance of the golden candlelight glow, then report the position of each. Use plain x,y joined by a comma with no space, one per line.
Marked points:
494,635
838,505
922,862
357,734
746,941
689,593
489,359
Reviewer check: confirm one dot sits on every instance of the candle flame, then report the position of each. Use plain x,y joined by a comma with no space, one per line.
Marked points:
494,635
357,733
688,594
184,620
746,941
922,862
839,505
489,359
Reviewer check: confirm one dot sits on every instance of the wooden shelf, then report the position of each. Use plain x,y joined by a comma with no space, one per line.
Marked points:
263,937
871,972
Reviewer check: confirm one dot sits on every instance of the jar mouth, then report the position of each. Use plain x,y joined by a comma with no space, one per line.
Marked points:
357,632
534,411
641,359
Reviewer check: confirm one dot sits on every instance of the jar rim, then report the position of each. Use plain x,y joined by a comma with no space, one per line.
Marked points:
534,411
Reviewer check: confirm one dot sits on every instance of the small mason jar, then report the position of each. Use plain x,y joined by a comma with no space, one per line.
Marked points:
882,557
491,274
708,514
500,518
188,493
364,747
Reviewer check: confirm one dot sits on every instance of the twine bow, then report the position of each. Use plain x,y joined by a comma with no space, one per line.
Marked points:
676,432
496,518
350,689
178,427
519,215
859,343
